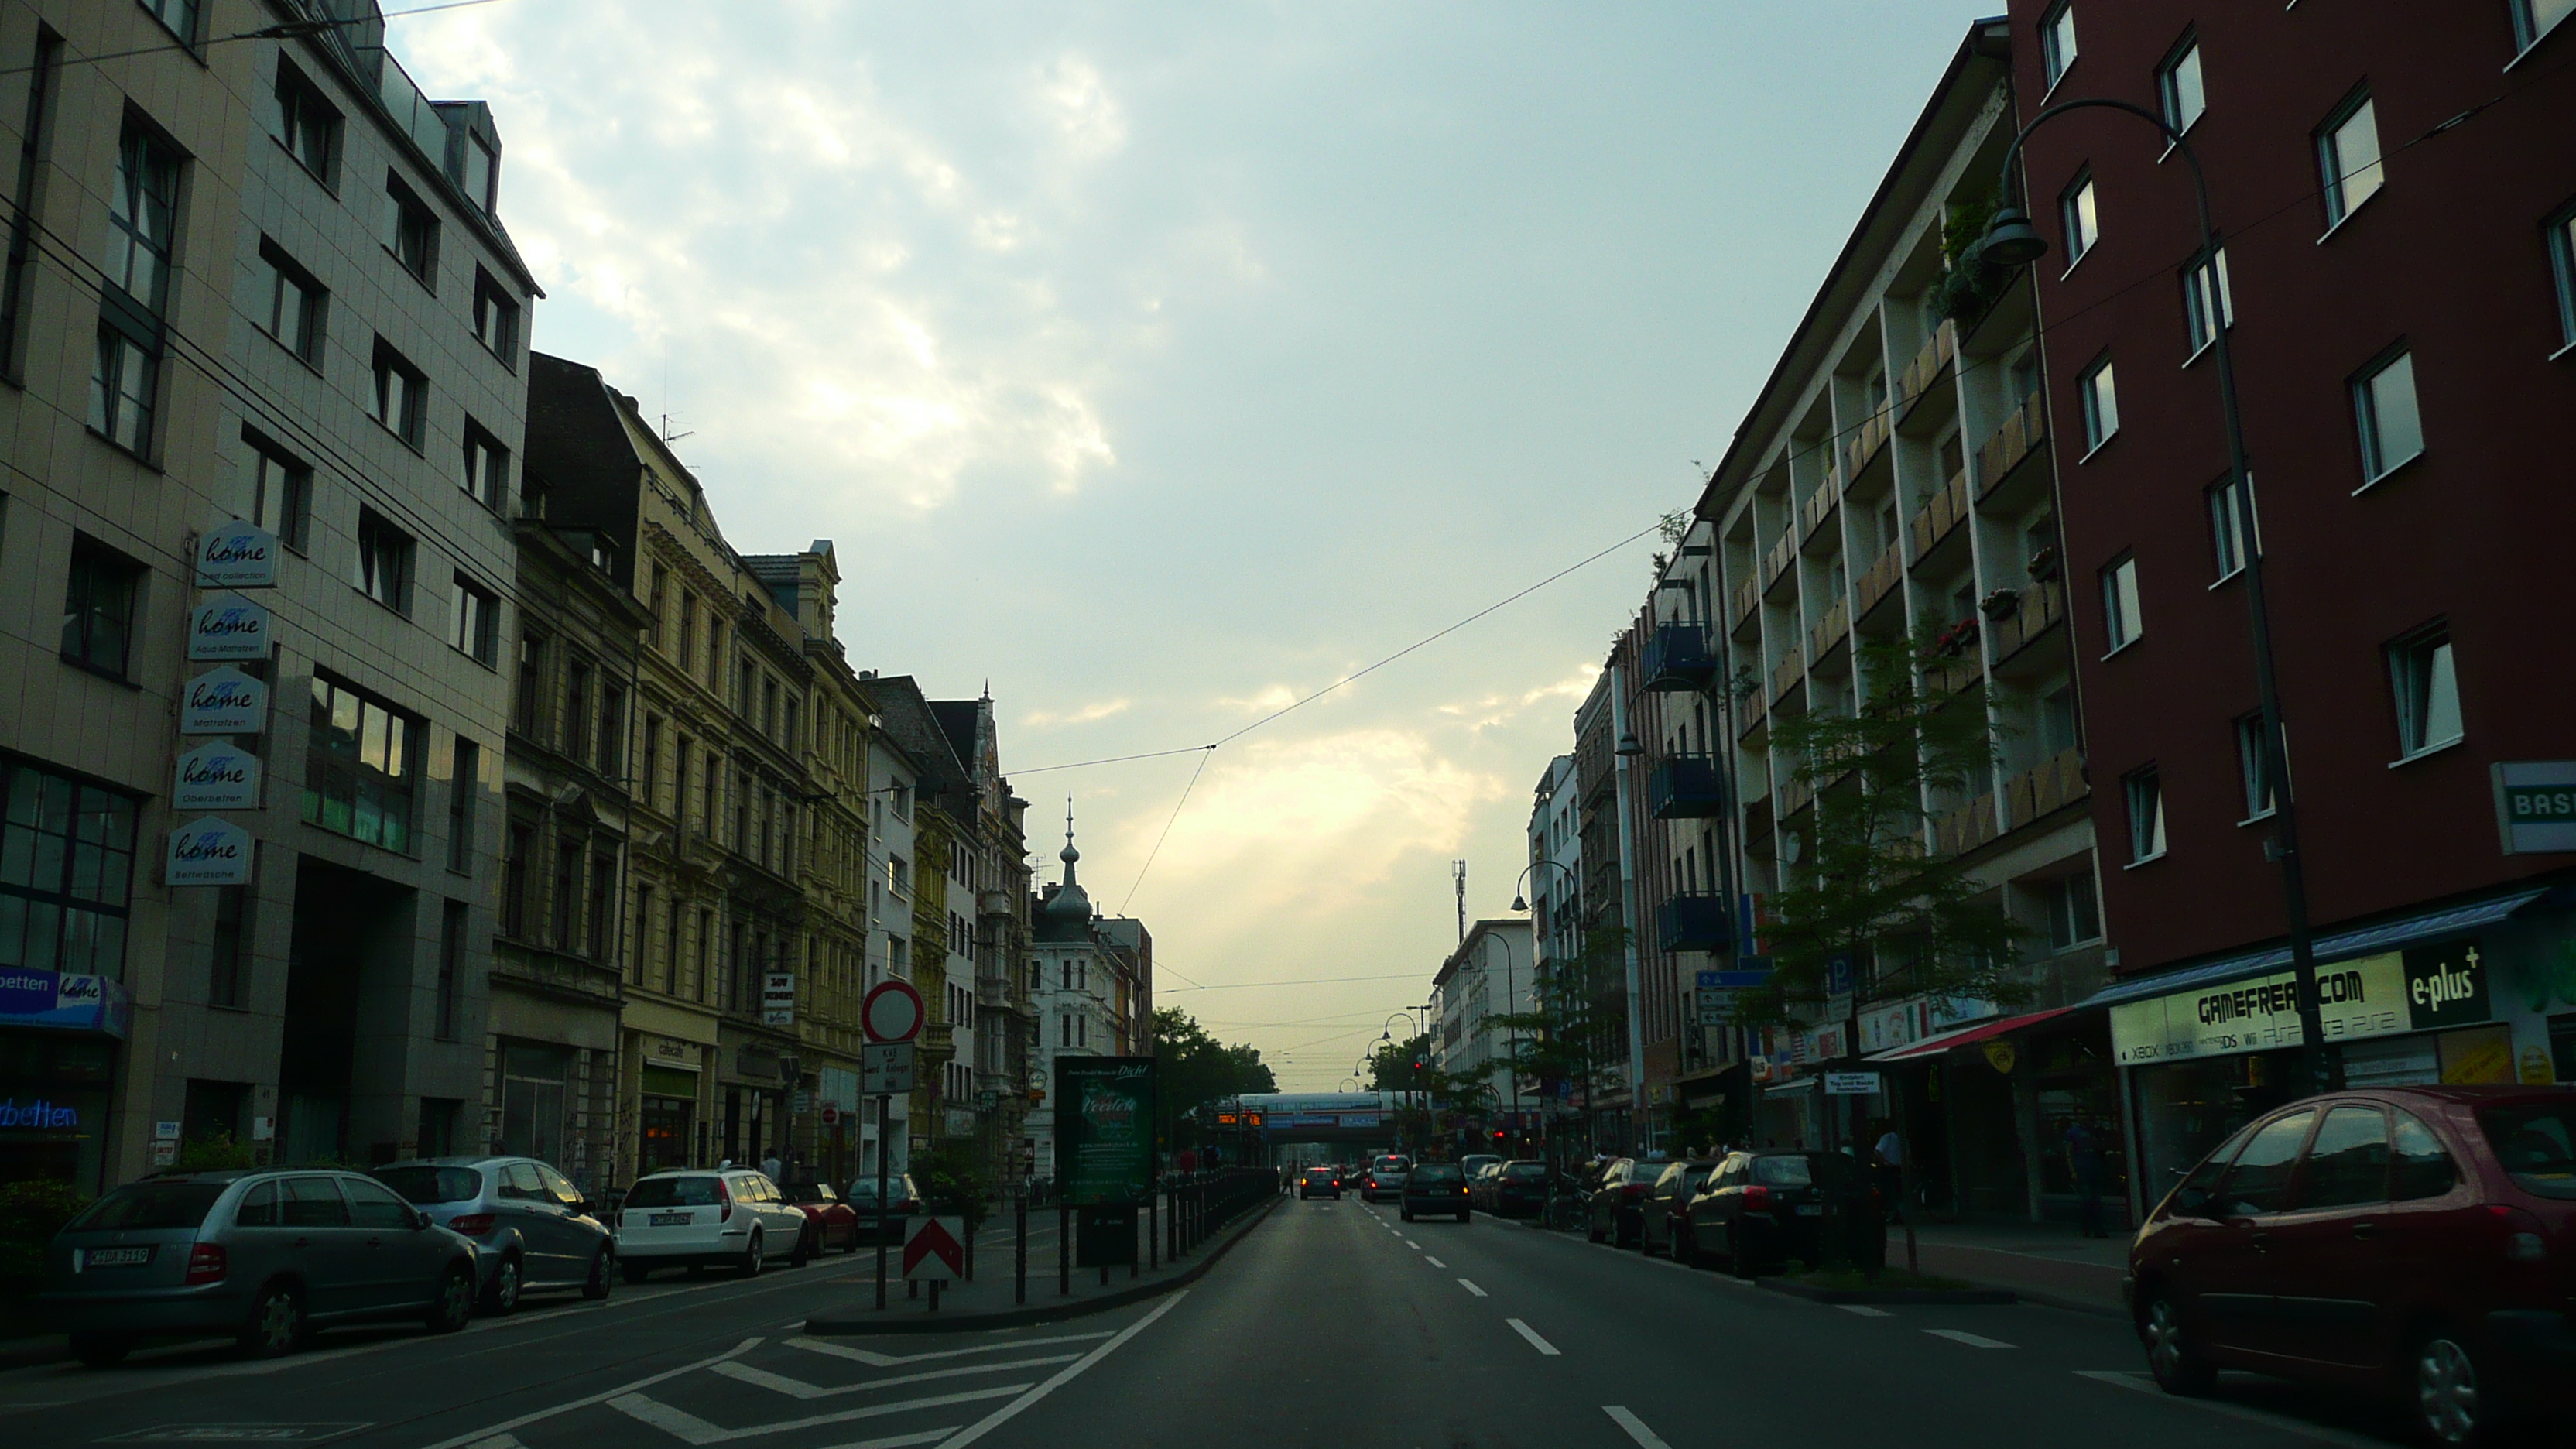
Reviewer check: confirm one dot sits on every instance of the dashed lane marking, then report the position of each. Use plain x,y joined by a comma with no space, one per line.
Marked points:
1646,1438
688,1428
1434,1262
1417,1247
1864,1310
1536,1342
1972,1340
1472,1288
799,1389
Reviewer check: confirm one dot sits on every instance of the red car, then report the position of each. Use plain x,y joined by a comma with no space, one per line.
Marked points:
2413,1241
829,1220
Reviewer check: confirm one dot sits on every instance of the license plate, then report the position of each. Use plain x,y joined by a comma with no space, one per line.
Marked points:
671,1220
115,1257
1811,1210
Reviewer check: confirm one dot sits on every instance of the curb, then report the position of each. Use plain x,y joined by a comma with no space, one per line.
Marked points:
832,1326
1917,1296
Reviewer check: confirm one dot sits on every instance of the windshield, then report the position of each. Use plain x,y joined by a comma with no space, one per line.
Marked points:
423,1185
674,1192
2535,1142
806,1192
1525,1171
1783,1171
148,1205
1438,1172
865,1189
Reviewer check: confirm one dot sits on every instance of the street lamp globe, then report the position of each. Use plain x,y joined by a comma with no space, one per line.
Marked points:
2011,241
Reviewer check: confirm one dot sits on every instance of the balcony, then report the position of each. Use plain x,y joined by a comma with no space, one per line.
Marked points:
1793,795
2051,785
1829,630
1678,658
1964,829
1866,442
1940,514
2042,608
1775,564
2019,437
1785,676
1747,594
1926,368
1692,921
1819,506
1881,580
1685,787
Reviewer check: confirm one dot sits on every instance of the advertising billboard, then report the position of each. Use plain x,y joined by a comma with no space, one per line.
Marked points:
1104,1129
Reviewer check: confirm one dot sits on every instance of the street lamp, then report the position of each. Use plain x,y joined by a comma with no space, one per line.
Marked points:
2011,241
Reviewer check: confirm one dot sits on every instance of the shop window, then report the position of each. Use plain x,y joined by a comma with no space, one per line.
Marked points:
66,873
359,766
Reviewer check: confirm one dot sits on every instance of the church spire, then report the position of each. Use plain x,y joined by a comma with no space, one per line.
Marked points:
1068,855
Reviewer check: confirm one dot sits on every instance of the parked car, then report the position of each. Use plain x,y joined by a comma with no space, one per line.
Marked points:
2419,1241
1613,1206
532,1229
829,1218
903,1199
1319,1182
1385,1177
1763,1208
1476,1162
1480,1186
264,1255
695,1219
1661,1211
1519,1189
1434,1187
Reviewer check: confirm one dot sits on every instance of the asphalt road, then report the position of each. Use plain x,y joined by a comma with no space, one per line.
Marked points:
1330,1322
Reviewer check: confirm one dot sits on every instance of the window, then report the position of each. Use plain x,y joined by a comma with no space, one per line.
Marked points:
228,950
281,491
2227,537
141,210
496,318
688,657
2348,154
179,15
2253,764
401,394
2057,731
2423,1168
122,383
603,872
2207,302
2178,85
292,300
648,778
451,962
2533,19
99,608
2259,1183
2427,686
2383,405
33,139
2074,916
473,621
769,708
2562,266
411,230
576,709
307,126
66,873
520,841
671,951
2101,399
2057,41
562,904
715,652
463,781
653,604
487,467
529,707
2146,796
2080,212
384,562
612,730
359,765
636,962
2122,622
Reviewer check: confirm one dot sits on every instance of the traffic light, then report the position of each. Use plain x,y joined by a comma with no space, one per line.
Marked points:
1498,1134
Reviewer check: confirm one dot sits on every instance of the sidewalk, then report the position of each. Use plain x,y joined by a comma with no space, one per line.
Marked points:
2043,1262
990,1299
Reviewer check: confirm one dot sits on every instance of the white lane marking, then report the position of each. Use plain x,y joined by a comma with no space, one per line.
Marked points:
1636,1427
1065,1375
1417,1247
483,1436
690,1429
498,1441
799,1389
897,1441
889,1360
1434,1262
1472,1288
1972,1340
1536,1342
1864,1310
2145,1383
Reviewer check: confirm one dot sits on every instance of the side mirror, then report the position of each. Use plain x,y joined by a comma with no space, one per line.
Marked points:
2192,1202
419,1220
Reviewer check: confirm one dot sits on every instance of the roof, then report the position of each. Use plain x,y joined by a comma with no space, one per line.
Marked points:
906,715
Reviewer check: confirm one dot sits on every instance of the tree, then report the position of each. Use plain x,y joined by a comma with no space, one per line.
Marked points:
1192,1068
1400,1066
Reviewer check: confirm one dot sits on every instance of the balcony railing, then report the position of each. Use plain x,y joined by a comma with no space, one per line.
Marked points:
1862,447
1966,828
1819,505
1926,367
1793,794
2020,436
1881,580
1829,630
1685,787
2050,785
1693,921
2042,608
1785,676
1677,658
1747,594
1776,562
1940,513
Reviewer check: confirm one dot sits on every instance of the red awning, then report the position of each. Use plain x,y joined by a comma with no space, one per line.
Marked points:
1966,1036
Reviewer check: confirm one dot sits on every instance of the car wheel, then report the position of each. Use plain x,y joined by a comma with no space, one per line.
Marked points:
454,1303
1686,1245
501,1296
635,1272
2452,1405
2178,1367
276,1326
1407,1215
101,1350
1592,1229
751,1265
603,1274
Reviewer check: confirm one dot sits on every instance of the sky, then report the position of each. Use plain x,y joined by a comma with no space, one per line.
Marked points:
1158,365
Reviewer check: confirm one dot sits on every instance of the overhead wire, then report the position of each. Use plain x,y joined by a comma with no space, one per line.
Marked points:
283,30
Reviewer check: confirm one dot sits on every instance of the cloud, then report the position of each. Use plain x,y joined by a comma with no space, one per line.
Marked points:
1103,709
1076,101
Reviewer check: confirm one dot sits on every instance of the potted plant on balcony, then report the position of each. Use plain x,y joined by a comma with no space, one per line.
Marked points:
2044,563
2000,605
1969,284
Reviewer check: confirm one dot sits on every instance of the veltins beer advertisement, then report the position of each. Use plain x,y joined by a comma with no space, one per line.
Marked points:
1105,1128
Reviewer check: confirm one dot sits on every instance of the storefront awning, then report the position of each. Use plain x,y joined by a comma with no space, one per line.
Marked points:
1966,1036
2335,946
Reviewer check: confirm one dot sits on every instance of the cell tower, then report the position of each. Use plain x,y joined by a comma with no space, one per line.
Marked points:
1458,873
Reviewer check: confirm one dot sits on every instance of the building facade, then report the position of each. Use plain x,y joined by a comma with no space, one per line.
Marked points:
1488,976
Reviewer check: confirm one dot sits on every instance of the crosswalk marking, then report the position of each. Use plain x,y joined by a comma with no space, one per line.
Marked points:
1972,1340
1472,1288
897,1441
889,1360
690,1429
799,1389
1864,1310
1536,1342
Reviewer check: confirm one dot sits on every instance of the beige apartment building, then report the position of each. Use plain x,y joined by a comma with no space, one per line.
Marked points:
263,328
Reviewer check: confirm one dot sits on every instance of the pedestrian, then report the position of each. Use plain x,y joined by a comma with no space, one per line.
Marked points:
2084,1164
1890,1153
769,1165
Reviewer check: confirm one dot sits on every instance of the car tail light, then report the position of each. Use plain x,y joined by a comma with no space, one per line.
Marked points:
1757,1198
724,1202
205,1264
472,1225
2524,1239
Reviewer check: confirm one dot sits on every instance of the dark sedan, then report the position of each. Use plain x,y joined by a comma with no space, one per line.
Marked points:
1615,1206
1437,1188
1320,1182
1516,1190
1661,1212
1760,1209
903,1198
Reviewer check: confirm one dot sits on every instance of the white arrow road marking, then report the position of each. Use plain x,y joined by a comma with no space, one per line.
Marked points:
1472,1288
481,1438
889,1360
1864,1310
1536,1342
1972,1340
690,1429
798,1388
1434,1262
1636,1427
1065,1375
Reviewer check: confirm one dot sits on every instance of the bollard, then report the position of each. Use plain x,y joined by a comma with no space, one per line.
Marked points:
1020,1251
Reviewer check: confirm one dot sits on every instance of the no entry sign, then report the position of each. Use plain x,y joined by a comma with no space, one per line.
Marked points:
891,1012
934,1249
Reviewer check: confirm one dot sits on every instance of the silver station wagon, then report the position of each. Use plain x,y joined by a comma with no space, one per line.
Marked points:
265,1256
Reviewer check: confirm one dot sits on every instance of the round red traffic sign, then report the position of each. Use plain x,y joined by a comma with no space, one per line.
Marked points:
891,1012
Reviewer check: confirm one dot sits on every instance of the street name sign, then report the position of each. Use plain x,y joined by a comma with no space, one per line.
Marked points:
1734,980
1851,1084
934,1249
886,1068
891,1012
2536,806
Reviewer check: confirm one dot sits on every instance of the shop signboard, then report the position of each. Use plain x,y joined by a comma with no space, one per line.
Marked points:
228,626
1105,1134
34,997
219,775
2446,986
1851,1084
778,999
2356,1000
237,555
209,851
2535,804
223,701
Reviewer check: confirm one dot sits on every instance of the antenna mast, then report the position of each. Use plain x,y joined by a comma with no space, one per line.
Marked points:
1458,873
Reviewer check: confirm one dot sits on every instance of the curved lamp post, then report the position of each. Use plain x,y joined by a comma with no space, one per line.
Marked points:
2011,241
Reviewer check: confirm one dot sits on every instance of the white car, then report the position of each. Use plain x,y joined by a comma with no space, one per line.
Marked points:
693,1219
